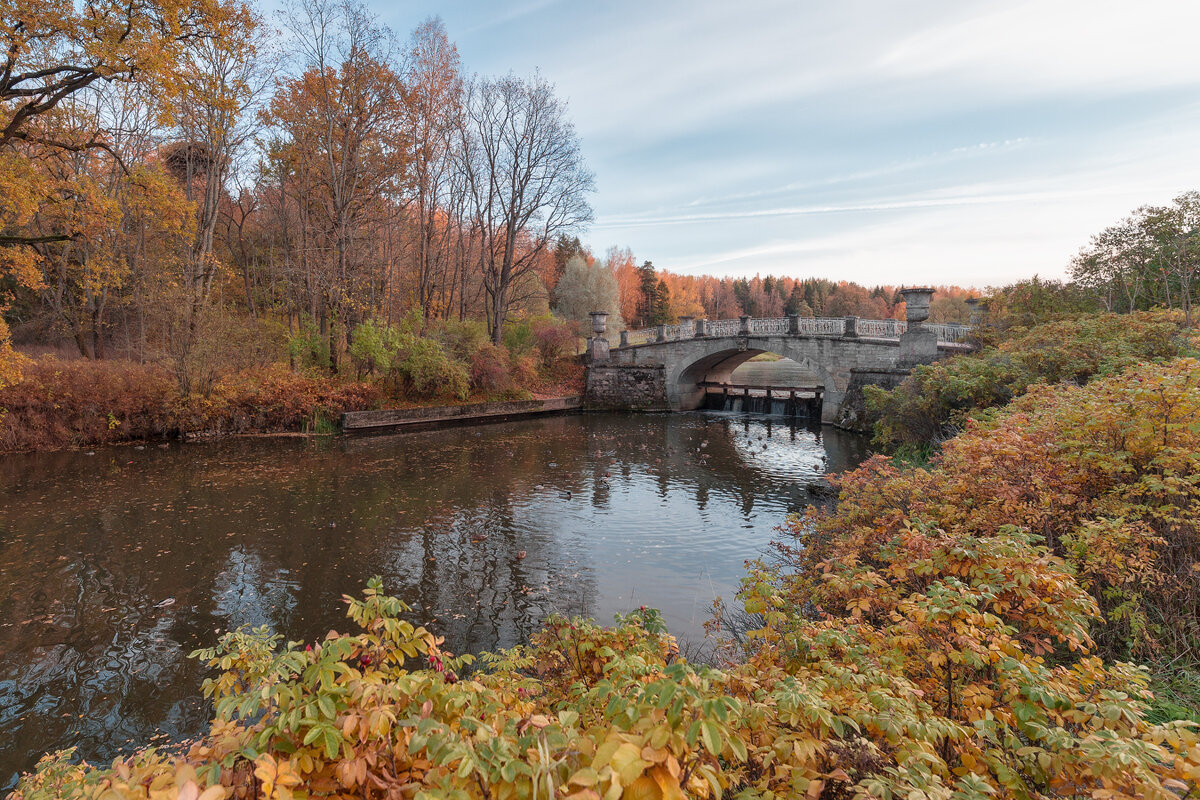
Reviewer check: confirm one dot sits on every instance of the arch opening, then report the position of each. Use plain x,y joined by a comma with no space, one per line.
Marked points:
736,379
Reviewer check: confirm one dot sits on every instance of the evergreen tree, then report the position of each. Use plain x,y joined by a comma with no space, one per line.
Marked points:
662,304
648,294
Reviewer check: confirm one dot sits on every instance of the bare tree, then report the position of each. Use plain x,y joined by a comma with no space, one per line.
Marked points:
525,179
585,288
434,88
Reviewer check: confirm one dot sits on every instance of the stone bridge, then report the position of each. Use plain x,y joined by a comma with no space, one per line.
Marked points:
663,368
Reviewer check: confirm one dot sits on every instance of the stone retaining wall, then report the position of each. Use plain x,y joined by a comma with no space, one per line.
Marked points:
852,414
626,387
433,416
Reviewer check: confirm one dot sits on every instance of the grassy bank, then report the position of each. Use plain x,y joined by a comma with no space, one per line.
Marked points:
232,387
77,403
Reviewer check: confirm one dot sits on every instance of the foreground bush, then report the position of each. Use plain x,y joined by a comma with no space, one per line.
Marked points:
912,673
1107,475
934,402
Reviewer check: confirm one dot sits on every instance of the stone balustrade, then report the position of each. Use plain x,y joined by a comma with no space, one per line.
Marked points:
790,326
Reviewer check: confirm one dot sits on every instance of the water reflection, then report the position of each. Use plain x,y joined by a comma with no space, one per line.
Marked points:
115,566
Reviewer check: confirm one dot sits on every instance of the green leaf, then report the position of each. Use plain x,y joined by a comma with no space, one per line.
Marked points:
711,735
333,743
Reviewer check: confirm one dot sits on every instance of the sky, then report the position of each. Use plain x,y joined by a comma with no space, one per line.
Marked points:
885,142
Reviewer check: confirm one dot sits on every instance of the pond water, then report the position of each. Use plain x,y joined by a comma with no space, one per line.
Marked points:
114,566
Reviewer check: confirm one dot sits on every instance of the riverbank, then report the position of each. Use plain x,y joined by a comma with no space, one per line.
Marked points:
76,404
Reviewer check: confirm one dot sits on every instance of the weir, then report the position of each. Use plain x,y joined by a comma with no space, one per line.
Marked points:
798,402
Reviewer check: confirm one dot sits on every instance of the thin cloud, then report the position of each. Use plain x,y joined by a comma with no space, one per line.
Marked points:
893,205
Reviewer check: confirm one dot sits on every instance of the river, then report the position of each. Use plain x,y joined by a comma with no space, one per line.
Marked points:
115,565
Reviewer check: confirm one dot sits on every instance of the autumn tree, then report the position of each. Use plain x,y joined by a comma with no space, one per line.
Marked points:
1115,265
564,249
342,150
684,299
124,213
220,82
1150,258
621,263
795,303
525,179
1176,231
52,55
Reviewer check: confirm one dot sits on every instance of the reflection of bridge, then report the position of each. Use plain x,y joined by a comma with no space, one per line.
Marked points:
667,367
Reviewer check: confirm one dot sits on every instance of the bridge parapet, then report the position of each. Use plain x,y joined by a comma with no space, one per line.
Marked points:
951,333
770,326
789,326
881,328
723,327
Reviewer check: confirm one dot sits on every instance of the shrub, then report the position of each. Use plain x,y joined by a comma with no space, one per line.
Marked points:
430,370
518,337
553,340
934,402
525,372
1104,473
463,338
490,370
919,693
278,399
398,354
308,348
82,403
376,348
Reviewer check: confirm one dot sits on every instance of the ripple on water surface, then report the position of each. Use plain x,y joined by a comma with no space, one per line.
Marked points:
115,566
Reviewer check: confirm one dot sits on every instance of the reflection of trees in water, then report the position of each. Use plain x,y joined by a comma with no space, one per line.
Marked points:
115,570
87,658
248,592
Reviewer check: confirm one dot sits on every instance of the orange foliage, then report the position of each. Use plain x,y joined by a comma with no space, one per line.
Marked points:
86,403
1103,474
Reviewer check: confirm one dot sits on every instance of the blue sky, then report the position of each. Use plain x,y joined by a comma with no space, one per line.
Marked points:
884,142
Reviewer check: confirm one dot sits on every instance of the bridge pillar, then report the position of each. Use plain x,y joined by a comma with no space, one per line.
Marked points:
701,328
686,329
598,345
918,344
850,330
794,324
979,311
744,328
625,338
660,333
